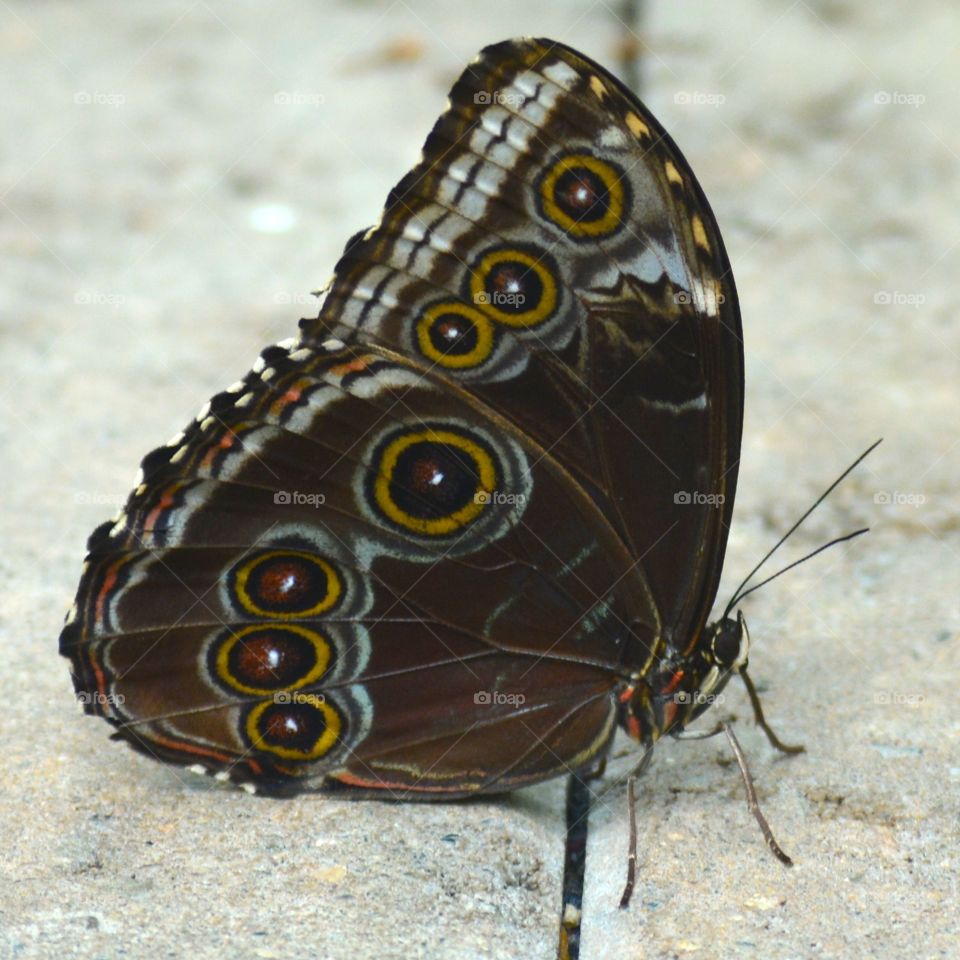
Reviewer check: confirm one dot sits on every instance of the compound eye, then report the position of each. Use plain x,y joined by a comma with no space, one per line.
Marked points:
731,643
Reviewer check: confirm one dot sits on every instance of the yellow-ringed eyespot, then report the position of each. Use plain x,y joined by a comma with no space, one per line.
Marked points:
584,196
455,335
515,287
267,658
285,584
432,479
295,726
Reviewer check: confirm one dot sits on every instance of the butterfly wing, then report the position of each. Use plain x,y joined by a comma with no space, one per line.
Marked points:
315,586
554,252
421,549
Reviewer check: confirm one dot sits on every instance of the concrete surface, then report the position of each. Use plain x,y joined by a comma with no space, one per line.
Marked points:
144,151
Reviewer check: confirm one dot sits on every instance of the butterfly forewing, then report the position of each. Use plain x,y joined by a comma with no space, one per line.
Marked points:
624,358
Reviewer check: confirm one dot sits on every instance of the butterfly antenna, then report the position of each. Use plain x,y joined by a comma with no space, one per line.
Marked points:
796,563
738,595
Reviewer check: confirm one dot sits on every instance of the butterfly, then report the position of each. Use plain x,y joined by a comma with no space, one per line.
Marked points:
472,520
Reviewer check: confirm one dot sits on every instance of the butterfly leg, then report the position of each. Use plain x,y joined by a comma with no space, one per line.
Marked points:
752,802
635,774
761,721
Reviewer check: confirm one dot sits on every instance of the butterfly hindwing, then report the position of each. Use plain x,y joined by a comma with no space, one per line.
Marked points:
264,587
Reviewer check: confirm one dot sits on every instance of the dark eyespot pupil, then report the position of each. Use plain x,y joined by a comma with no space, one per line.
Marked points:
582,195
271,659
579,192
282,726
286,583
449,330
426,475
282,581
514,287
505,280
453,334
432,480
291,726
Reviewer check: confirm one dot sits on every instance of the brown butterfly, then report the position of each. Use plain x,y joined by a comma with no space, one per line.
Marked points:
473,519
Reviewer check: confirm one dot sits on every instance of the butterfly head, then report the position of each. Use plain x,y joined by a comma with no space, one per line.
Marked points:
722,652
729,644
690,683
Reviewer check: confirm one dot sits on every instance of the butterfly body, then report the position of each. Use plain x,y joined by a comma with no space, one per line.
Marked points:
473,519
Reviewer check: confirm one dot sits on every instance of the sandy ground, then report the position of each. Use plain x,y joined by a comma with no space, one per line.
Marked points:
166,214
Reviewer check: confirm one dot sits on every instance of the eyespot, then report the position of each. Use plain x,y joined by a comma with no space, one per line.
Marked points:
285,584
515,287
265,659
455,335
432,480
293,726
584,196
